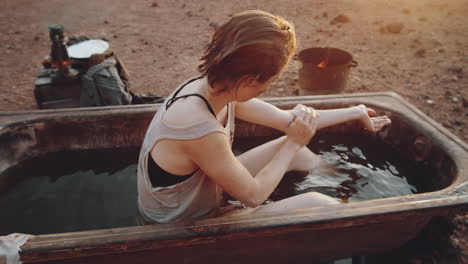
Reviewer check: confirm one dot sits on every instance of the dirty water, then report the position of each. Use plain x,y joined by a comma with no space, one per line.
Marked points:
96,189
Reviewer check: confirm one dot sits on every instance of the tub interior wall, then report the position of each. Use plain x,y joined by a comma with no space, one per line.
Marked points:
407,140
33,139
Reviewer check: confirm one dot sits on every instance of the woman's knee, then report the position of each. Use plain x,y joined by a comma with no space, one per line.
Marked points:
317,199
304,160
305,200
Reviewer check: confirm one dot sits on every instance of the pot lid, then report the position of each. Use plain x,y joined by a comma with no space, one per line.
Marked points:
87,48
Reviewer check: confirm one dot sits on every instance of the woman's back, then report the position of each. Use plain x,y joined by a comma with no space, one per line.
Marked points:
189,111
195,197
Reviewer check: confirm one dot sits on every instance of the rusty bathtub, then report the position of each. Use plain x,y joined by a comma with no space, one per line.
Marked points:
296,236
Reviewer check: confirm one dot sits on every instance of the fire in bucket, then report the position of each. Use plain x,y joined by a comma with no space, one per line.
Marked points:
324,70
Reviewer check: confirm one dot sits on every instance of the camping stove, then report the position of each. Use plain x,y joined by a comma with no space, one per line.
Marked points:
58,83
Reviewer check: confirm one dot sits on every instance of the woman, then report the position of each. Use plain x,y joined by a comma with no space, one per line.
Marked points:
186,161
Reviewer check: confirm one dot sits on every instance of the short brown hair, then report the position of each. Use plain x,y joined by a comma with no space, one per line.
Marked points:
251,43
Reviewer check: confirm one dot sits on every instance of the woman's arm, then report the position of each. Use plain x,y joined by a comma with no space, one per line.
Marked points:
359,112
213,154
259,112
262,113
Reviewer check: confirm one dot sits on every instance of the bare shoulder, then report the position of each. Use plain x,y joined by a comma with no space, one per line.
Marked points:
187,111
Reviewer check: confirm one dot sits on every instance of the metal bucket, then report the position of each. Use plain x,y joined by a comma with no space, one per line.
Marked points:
324,70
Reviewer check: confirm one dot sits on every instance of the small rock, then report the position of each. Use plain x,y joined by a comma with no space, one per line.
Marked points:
447,125
36,38
430,102
393,28
455,70
115,36
465,103
340,19
448,93
189,14
421,53
106,22
324,14
214,25
133,51
154,4
458,123
455,242
406,11
437,43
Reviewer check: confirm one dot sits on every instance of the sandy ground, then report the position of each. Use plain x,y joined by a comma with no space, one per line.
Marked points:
160,43
424,59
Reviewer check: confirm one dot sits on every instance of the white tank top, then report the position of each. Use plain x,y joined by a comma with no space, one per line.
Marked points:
193,198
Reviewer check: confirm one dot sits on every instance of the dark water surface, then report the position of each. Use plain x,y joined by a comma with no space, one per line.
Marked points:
86,190
356,168
72,191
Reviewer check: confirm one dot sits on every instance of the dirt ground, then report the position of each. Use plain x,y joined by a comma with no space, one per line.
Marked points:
161,41
418,49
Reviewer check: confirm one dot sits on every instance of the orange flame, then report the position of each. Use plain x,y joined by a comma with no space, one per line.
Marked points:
323,63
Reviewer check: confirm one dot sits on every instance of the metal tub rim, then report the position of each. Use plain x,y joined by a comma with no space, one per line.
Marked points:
204,231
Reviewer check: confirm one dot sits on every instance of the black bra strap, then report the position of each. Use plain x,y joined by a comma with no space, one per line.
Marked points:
185,84
174,98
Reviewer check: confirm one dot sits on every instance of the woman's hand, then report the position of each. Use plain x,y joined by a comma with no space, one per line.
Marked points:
371,122
303,125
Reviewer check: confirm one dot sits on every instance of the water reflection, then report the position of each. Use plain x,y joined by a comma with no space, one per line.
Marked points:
355,170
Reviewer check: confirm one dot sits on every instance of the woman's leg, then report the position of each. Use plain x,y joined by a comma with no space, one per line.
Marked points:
305,200
255,159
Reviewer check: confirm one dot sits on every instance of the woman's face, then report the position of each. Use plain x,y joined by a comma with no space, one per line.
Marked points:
253,88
